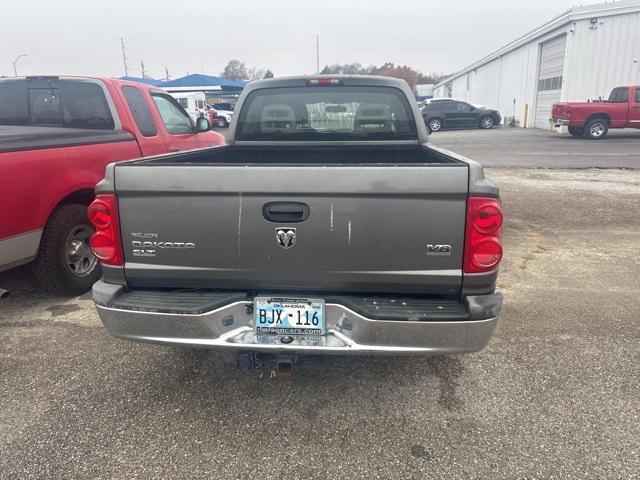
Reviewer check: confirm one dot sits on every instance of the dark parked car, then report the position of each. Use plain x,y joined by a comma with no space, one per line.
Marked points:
449,113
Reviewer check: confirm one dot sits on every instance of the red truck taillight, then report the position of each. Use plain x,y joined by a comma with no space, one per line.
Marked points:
482,247
105,243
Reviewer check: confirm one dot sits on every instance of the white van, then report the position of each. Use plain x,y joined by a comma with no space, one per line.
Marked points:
195,103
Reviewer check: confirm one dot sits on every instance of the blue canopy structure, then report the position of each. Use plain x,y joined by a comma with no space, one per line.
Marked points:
196,80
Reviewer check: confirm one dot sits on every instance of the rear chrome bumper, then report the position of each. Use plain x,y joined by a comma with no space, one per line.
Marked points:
348,332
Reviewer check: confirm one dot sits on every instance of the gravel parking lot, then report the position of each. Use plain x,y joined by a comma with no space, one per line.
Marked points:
554,395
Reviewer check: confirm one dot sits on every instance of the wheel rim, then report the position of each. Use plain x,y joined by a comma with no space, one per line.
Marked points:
487,122
597,129
79,258
435,125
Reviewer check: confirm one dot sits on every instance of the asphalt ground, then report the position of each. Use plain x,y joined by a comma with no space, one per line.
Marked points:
556,393
536,148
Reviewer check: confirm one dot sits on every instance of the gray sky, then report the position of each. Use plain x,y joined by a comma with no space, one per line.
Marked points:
83,36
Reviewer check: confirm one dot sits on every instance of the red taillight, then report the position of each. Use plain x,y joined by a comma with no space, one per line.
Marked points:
105,243
324,81
482,248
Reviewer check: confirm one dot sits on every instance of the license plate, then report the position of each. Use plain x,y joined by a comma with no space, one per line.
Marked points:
289,316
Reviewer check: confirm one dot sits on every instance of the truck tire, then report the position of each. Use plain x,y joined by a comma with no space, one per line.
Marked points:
596,128
576,131
486,122
65,264
435,124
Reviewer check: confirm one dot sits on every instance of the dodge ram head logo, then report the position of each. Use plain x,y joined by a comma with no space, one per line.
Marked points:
286,236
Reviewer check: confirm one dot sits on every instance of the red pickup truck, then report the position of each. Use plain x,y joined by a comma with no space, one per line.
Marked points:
57,135
594,119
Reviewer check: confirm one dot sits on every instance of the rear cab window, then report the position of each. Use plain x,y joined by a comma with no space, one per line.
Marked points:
14,108
619,95
54,102
326,113
44,106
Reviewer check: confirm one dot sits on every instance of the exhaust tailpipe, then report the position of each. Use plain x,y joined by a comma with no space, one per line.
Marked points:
4,293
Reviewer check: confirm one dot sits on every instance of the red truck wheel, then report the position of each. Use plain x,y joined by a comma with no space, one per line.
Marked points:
596,128
65,263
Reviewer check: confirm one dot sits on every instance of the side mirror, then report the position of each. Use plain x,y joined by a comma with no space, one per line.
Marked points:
202,125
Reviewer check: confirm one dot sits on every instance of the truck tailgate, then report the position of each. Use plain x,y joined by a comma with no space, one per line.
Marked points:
369,228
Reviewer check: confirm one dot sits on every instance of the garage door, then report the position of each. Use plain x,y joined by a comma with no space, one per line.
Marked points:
549,78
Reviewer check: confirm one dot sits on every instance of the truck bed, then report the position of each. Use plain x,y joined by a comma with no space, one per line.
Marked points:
336,154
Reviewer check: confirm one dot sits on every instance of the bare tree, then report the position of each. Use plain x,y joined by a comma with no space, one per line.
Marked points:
388,69
235,70
405,72
347,69
433,77
256,73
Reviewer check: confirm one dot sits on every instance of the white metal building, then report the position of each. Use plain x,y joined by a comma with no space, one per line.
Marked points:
579,55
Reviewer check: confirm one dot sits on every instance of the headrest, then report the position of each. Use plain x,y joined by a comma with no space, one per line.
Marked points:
373,117
277,118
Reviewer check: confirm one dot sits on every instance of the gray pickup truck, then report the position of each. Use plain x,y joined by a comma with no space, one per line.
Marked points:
326,226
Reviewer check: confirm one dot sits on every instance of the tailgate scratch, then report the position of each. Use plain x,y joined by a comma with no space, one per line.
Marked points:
239,226
331,218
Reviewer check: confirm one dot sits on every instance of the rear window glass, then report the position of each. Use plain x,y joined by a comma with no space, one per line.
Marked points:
619,95
140,109
85,106
44,105
64,103
326,113
13,103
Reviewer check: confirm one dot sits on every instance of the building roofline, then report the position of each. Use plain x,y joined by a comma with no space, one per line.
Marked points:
569,16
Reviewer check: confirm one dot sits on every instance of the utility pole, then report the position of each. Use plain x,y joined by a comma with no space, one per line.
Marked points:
317,54
144,74
15,70
166,74
124,58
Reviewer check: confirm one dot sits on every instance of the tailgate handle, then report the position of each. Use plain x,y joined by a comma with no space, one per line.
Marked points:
291,212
